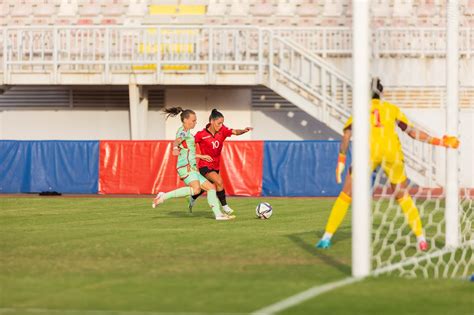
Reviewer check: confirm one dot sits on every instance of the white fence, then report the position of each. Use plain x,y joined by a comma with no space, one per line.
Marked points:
117,49
107,50
385,41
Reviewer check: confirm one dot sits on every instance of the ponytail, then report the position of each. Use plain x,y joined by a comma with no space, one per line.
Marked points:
215,114
175,111
377,88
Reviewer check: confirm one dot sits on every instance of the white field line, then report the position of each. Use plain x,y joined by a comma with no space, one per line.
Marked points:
6,311
305,295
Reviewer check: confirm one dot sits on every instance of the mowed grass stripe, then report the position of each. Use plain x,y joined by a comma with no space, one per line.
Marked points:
102,253
119,255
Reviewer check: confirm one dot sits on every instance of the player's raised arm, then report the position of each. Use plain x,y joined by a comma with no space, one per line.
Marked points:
418,134
238,132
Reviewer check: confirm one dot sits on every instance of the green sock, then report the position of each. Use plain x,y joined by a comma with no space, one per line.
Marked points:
180,192
214,202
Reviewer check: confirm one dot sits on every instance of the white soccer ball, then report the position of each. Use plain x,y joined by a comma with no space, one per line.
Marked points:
264,210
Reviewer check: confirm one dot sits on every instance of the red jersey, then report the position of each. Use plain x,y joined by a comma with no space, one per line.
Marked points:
211,145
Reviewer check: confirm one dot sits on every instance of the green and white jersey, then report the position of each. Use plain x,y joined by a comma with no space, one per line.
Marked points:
187,148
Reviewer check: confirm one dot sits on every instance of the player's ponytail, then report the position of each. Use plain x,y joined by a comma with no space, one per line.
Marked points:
376,87
215,114
174,111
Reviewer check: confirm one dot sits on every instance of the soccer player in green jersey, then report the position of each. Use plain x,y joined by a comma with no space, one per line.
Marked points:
184,147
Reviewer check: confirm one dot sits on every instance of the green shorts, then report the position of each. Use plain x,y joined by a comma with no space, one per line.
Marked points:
190,174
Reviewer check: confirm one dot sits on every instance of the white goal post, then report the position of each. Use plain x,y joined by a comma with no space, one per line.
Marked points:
361,202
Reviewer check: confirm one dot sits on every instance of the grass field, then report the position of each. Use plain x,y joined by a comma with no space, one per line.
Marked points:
120,256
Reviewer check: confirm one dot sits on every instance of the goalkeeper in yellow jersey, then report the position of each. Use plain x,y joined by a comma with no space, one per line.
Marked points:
385,151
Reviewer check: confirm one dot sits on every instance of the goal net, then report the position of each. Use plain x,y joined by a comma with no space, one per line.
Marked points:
424,100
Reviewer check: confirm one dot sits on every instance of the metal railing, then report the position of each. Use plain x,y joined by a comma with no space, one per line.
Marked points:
321,40
200,48
419,42
325,85
413,41
120,49
331,93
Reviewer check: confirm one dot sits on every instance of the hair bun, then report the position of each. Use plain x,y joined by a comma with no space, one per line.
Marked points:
215,114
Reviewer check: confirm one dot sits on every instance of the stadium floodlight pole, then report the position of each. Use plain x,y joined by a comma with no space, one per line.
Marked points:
452,86
361,205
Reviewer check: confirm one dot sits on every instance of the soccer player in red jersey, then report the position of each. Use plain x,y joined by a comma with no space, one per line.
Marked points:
211,140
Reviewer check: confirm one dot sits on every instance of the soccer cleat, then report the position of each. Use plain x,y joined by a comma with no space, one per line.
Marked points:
423,246
227,209
191,202
160,198
324,243
225,217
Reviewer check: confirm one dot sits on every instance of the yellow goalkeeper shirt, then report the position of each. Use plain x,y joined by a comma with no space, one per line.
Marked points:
384,141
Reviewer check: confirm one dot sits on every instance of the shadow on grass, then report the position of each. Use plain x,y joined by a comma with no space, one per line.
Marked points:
307,241
186,214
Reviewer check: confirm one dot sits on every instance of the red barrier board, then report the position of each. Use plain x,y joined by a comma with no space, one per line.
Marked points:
137,167
146,167
242,167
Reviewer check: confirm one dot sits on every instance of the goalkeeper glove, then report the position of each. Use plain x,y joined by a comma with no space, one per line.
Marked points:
446,141
341,164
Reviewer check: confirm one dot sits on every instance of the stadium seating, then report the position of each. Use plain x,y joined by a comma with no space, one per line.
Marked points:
46,8
335,14
468,11
217,8
21,8
67,12
308,8
381,12
191,13
395,13
89,8
402,13
333,8
20,13
262,12
4,12
469,7
137,8
286,13
286,8
428,14
172,12
238,13
113,9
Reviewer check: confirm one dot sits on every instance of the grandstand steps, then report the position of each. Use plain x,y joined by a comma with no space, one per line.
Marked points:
322,91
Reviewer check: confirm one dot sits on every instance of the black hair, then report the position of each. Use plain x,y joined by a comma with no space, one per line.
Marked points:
215,114
376,87
174,111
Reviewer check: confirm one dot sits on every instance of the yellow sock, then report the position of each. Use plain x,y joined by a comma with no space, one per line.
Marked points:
411,212
338,212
